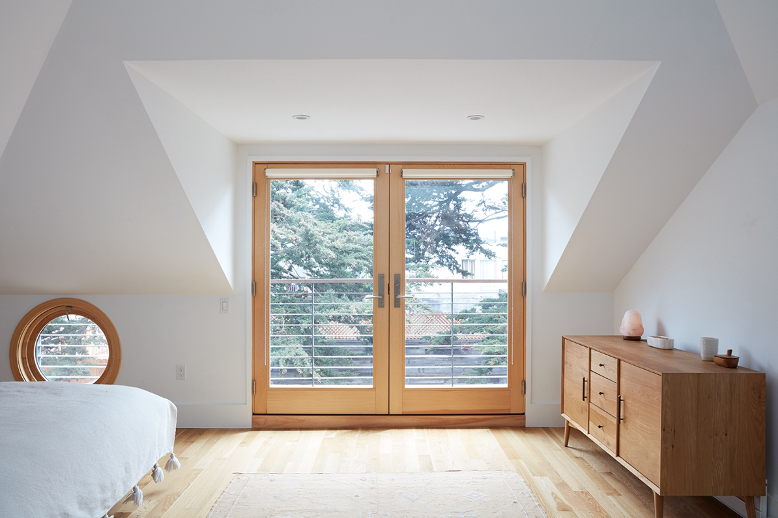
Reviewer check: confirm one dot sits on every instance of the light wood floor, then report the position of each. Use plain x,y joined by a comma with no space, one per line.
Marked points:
575,481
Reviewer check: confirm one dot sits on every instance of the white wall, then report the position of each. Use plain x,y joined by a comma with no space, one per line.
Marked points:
549,315
157,332
712,270
84,113
192,331
204,161
574,162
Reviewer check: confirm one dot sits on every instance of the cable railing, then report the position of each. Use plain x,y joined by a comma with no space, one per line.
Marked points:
456,332
71,349
321,332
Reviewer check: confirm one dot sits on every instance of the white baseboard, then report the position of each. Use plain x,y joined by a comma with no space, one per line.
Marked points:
737,505
543,414
213,416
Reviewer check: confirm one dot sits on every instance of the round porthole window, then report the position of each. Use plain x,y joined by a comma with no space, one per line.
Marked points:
66,340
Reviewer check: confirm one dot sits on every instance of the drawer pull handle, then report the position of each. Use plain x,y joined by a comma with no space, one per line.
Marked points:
583,394
602,365
602,393
599,426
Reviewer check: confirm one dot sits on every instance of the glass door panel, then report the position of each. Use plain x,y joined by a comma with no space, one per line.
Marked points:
315,315
321,268
456,287
456,333
455,242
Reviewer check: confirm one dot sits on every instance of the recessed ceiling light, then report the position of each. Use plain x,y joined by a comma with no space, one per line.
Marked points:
475,117
301,117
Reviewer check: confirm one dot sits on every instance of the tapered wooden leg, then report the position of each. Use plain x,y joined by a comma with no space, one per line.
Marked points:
750,506
567,432
659,505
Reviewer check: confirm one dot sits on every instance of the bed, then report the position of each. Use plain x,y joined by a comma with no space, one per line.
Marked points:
73,450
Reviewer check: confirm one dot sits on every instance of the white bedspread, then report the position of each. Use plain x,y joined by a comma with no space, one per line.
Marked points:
73,450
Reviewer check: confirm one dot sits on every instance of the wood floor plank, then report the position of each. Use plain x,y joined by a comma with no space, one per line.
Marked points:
579,481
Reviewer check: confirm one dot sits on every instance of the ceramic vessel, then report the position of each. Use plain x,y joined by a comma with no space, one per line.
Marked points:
709,347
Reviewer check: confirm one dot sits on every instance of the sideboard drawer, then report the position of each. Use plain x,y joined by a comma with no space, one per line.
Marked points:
604,365
602,426
603,393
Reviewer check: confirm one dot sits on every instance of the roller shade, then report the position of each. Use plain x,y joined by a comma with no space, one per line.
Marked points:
432,174
315,173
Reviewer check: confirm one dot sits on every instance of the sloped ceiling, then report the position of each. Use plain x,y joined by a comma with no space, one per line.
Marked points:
573,165
27,30
95,186
752,27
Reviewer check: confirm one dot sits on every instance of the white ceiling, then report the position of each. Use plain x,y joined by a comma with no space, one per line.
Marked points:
357,100
753,28
82,147
27,30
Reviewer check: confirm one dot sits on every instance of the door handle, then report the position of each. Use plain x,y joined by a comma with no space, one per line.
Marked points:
583,396
380,295
619,418
397,295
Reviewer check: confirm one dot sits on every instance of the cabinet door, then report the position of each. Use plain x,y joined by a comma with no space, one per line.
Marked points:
640,428
575,400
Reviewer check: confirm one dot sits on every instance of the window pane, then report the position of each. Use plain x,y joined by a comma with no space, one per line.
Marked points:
71,348
456,323
321,256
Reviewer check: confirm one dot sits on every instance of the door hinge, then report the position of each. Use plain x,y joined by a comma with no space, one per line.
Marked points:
254,189
523,387
523,190
253,288
523,288
254,387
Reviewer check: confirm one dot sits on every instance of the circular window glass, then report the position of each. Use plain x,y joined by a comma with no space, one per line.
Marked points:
72,348
66,340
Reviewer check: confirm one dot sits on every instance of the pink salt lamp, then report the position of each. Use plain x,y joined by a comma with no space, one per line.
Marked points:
631,325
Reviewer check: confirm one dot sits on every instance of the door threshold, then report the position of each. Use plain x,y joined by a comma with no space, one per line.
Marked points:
326,422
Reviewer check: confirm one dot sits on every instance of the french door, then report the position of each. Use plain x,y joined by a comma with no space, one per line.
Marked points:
388,288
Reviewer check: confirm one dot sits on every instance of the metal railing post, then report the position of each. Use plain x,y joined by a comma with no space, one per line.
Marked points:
452,334
313,338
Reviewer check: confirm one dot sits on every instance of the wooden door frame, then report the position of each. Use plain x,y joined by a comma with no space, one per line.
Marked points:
459,400
320,400
511,402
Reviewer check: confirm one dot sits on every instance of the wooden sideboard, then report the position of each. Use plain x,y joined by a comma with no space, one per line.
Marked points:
683,426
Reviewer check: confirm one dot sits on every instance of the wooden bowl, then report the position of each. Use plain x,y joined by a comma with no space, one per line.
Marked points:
726,360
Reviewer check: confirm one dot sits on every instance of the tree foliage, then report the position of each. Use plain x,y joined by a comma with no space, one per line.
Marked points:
442,219
316,233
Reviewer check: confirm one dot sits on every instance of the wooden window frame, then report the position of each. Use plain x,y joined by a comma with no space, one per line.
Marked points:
22,350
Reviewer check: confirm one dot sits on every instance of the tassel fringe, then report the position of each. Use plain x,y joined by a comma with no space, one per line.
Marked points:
157,473
136,496
106,516
172,463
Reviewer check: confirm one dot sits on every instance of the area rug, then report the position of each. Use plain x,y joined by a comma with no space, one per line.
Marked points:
460,494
